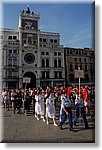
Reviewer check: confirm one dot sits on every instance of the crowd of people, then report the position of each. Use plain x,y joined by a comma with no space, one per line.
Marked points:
45,101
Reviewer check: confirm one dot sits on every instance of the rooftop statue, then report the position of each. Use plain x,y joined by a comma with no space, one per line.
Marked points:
28,11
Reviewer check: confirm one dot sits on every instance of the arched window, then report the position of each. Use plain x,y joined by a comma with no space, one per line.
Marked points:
71,67
10,62
80,67
14,61
59,63
47,63
43,62
55,63
76,66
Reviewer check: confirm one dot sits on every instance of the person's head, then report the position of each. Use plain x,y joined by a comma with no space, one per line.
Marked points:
43,92
65,93
40,92
51,94
86,86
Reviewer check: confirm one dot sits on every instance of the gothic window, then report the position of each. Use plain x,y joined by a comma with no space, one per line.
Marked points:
10,62
76,67
84,60
14,61
60,75
59,63
47,63
43,62
86,78
55,63
43,74
9,73
79,59
80,67
55,74
47,74
71,67
75,59
86,68
71,77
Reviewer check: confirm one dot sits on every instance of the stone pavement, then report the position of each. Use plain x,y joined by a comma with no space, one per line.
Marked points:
19,128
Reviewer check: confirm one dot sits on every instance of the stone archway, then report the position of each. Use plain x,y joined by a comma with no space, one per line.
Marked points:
32,83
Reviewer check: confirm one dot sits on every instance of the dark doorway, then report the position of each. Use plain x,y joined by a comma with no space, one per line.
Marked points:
32,83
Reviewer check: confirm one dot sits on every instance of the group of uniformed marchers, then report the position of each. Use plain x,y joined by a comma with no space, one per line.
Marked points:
51,102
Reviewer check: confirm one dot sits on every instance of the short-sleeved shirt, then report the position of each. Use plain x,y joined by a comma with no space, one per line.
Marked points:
66,102
79,101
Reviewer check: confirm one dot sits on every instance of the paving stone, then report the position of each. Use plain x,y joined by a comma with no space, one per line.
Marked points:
26,129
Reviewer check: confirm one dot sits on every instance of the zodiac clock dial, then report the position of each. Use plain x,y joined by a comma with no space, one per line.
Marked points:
29,58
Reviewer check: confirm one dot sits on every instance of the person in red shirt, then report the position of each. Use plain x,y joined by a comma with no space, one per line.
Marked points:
69,90
86,99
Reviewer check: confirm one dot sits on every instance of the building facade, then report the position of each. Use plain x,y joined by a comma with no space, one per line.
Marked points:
84,59
29,52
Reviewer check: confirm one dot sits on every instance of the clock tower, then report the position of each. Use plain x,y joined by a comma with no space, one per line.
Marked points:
29,54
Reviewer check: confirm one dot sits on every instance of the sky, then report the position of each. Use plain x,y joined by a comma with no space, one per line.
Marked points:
74,21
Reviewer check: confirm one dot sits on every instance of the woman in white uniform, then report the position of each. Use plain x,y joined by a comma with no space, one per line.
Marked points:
50,109
39,106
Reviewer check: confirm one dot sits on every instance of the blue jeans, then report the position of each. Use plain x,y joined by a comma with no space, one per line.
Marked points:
83,114
64,117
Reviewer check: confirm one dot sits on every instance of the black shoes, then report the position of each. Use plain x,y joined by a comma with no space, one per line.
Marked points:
86,127
75,124
72,130
61,128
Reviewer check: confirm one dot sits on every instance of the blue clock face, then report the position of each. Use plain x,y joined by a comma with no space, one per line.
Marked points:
29,58
29,24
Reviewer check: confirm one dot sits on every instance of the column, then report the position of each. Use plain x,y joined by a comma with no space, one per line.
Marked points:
20,59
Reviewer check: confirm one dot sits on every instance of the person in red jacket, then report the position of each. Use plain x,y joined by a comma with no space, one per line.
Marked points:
86,99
